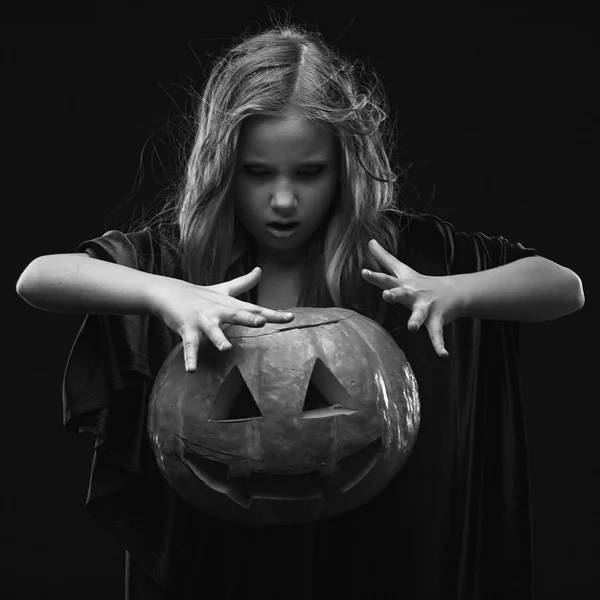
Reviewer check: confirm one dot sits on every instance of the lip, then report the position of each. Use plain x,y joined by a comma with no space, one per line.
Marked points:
282,233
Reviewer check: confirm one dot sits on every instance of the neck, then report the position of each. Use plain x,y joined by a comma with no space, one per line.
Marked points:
280,264
271,268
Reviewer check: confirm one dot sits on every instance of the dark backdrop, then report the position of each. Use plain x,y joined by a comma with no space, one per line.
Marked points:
500,123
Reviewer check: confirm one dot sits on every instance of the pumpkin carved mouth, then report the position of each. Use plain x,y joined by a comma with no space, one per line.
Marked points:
325,397
298,486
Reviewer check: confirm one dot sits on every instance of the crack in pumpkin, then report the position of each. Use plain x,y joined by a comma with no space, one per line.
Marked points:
188,443
291,327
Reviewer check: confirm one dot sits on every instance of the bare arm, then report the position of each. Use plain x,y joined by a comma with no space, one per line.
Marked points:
531,289
79,284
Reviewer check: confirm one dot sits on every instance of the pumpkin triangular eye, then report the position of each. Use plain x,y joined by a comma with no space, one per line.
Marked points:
325,395
314,399
234,402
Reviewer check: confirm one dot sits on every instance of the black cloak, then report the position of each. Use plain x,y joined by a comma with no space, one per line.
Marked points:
455,523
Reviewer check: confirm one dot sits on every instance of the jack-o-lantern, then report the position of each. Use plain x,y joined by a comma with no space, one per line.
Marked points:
295,423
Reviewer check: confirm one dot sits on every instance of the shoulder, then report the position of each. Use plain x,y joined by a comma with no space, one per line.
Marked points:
145,249
414,223
436,247
424,241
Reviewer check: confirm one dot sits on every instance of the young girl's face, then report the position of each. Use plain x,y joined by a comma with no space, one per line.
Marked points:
287,170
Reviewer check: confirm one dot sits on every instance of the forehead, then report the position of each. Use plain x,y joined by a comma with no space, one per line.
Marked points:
285,136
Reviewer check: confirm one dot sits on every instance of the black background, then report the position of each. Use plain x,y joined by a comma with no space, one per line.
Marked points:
498,116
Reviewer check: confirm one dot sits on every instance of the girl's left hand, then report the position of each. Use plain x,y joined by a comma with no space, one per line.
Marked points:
434,301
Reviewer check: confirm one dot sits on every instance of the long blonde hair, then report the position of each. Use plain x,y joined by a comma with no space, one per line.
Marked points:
264,74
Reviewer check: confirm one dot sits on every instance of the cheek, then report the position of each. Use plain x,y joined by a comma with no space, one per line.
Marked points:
246,197
327,191
334,186
324,189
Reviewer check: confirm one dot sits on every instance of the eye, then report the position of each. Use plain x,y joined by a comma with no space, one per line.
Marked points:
307,172
312,171
255,171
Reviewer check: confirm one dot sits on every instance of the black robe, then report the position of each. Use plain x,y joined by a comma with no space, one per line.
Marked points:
455,523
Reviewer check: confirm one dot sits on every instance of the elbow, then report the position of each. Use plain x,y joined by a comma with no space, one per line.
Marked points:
568,297
26,282
579,291
22,284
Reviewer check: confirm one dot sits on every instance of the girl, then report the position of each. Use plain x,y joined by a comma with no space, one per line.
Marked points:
288,199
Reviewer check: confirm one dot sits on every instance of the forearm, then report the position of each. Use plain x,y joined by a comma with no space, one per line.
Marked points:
531,289
71,284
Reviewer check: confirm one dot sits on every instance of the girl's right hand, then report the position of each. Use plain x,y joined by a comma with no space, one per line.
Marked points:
192,311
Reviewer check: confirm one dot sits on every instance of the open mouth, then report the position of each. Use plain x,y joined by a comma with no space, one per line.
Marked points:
281,227
282,231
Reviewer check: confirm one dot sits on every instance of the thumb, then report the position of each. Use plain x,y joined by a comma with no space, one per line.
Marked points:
246,282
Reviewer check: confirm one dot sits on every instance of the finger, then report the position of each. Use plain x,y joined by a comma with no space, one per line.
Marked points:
191,342
247,318
273,316
398,296
437,338
245,282
276,316
417,318
242,284
190,350
382,256
217,337
380,279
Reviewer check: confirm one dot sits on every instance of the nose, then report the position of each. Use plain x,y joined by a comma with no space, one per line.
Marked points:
283,195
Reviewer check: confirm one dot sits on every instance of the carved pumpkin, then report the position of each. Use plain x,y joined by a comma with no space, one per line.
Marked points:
297,422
